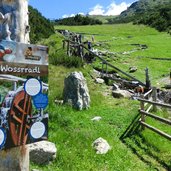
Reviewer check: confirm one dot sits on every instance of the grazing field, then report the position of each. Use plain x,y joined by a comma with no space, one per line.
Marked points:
73,132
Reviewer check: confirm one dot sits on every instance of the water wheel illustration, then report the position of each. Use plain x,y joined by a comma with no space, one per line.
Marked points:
18,123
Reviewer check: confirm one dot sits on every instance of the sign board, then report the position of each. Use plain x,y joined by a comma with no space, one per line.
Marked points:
23,93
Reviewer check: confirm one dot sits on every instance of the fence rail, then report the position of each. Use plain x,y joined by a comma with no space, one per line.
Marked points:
145,112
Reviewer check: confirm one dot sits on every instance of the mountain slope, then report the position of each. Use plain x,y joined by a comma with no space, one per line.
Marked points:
155,13
40,26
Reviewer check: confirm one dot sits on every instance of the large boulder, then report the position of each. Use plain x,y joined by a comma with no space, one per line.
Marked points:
101,146
76,91
42,152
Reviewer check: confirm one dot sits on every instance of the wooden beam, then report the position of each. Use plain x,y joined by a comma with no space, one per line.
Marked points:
163,134
114,67
166,121
155,103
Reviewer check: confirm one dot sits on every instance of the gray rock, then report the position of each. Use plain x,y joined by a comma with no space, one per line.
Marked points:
42,152
35,170
99,81
121,94
101,146
76,91
97,118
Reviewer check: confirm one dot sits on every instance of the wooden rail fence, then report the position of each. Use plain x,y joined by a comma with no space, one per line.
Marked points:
147,103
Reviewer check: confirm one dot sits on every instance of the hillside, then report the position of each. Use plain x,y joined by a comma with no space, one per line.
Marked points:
40,26
154,13
73,131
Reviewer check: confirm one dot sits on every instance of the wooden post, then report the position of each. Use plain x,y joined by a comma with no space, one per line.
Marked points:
102,69
106,69
15,159
63,44
154,97
142,114
15,28
68,48
148,82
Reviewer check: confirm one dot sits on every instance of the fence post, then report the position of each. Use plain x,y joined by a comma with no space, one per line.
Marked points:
148,83
142,108
154,97
102,68
106,69
68,48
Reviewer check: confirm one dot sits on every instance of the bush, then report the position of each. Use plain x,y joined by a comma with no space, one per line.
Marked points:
62,59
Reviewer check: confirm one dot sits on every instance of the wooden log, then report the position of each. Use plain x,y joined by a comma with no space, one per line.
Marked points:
146,95
154,97
163,134
142,109
166,121
155,103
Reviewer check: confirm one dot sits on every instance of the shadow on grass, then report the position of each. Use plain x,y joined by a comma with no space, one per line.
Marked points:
145,151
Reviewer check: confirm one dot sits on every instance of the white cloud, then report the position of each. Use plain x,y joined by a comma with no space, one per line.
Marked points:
66,15
72,15
112,9
97,10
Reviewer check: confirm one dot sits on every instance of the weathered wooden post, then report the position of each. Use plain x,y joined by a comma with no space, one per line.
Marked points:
142,109
148,82
68,48
14,26
154,97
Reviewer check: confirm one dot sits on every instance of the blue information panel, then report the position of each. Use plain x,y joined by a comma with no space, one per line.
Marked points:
24,93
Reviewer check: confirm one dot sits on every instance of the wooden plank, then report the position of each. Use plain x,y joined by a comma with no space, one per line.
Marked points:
163,134
148,93
23,69
154,103
166,121
149,108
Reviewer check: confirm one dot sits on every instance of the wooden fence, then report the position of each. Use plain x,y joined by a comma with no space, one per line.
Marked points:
105,64
149,102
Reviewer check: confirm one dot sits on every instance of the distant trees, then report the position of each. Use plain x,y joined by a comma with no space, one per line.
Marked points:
40,26
158,16
78,20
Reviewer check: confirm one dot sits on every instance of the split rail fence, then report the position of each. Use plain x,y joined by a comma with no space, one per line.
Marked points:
148,102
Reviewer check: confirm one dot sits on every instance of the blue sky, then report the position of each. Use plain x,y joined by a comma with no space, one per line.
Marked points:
54,9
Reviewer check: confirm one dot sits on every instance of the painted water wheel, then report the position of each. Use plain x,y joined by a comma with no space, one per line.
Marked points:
18,118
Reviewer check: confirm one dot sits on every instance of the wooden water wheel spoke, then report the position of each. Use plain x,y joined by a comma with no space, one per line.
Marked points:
17,119
20,110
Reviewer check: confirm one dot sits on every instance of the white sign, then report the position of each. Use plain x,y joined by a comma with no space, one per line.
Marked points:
37,130
32,86
2,137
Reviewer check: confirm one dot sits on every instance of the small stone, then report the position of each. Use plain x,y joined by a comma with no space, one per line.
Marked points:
99,81
132,69
97,118
101,146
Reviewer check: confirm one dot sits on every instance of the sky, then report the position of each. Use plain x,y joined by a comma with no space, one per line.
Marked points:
55,9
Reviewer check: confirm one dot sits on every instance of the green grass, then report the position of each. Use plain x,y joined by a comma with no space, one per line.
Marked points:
73,131
121,36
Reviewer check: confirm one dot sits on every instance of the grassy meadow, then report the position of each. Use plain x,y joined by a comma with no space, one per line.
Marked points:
73,132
